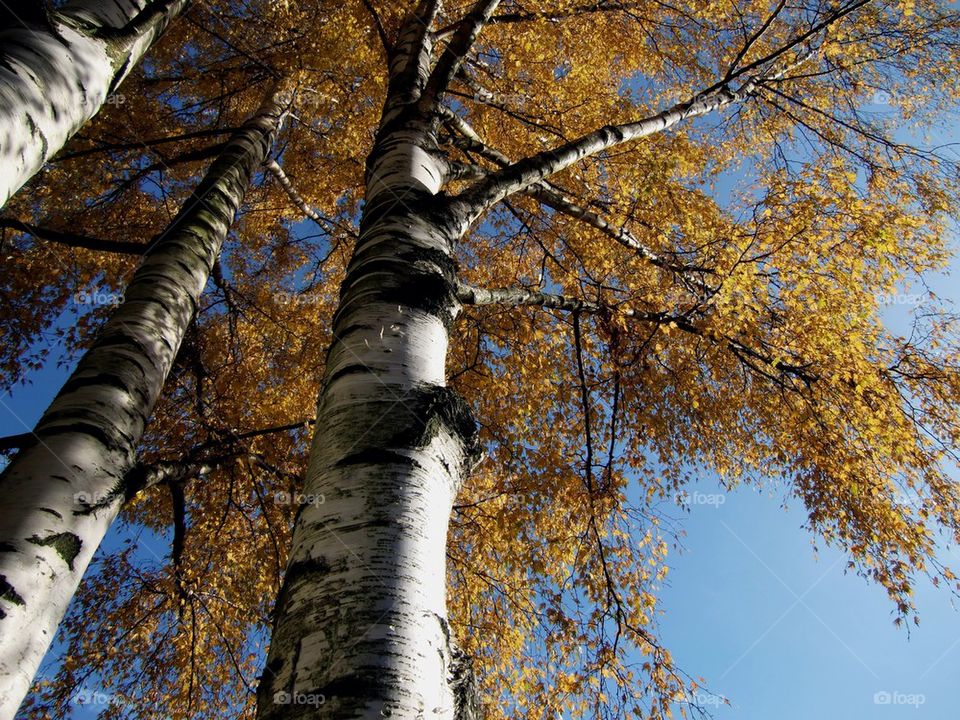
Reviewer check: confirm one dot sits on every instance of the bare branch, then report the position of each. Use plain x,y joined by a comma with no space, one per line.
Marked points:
73,240
378,24
753,38
324,223
141,144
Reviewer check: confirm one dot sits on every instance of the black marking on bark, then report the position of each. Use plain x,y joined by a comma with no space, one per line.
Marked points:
463,684
111,441
271,669
83,381
293,665
8,593
356,369
377,456
366,684
301,569
66,544
52,512
420,290
354,327
435,407
396,281
295,572
7,547
120,337
118,75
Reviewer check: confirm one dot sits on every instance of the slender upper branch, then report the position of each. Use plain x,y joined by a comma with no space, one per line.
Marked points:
296,198
474,201
452,57
760,361
378,24
756,35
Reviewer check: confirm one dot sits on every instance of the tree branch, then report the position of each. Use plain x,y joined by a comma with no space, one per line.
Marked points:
324,223
552,196
140,144
470,295
585,402
522,297
452,56
72,240
410,61
378,25
474,201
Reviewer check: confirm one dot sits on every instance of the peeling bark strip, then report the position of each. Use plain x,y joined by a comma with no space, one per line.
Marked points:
61,493
58,68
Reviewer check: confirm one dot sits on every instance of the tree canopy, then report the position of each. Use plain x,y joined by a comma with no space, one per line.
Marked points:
685,217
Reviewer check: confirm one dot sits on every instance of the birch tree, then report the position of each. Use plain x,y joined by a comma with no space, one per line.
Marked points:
361,616
64,489
542,275
60,66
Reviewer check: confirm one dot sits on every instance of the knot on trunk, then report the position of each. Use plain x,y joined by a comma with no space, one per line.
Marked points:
436,406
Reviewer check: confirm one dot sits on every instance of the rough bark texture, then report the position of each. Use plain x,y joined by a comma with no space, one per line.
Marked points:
360,623
61,493
58,68
361,629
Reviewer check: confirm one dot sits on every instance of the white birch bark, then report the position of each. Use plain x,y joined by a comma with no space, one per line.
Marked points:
360,626
61,494
57,69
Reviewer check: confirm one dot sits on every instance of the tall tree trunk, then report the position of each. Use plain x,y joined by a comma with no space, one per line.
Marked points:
361,628
61,494
57,68
360,623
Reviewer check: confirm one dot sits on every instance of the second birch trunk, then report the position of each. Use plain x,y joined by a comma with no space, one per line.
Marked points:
62,493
